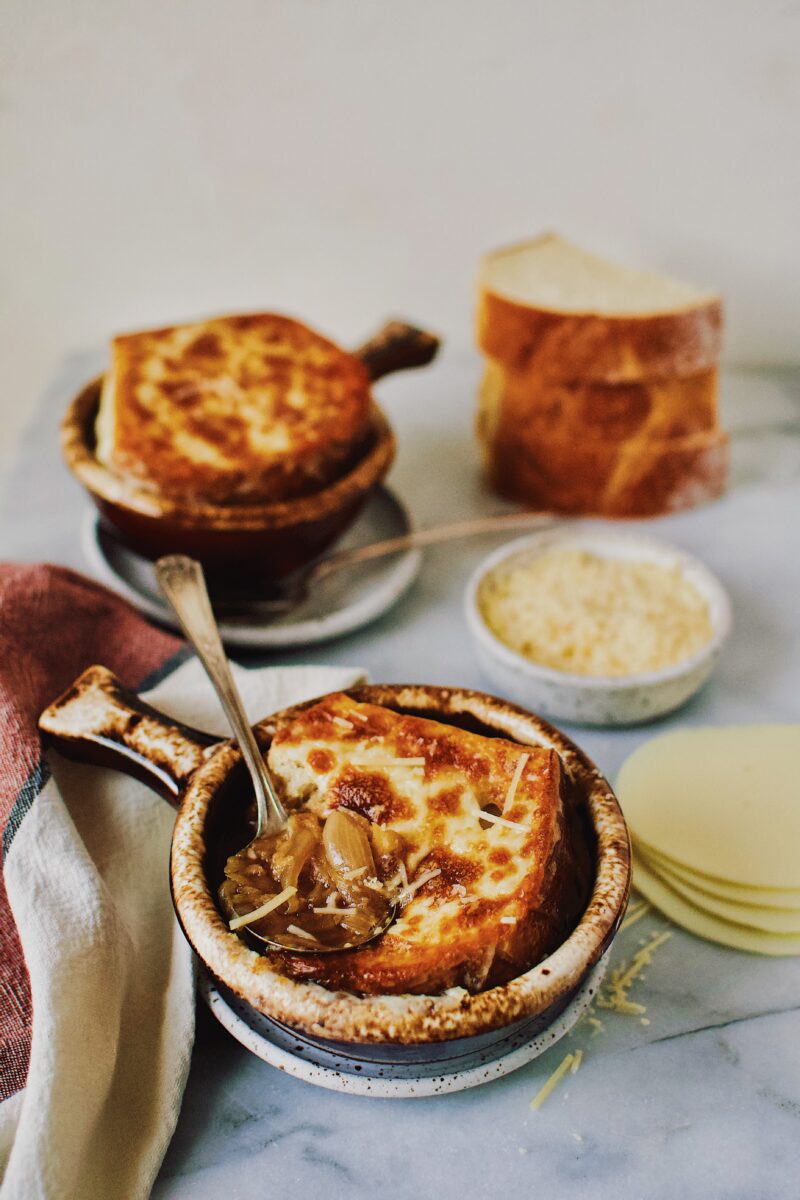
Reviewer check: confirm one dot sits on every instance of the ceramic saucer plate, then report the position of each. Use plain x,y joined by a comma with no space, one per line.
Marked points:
391,1071
346,601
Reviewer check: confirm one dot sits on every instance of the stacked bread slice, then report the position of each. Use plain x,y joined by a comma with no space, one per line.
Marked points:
600,388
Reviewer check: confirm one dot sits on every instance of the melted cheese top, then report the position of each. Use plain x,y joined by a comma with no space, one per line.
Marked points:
234,408
428,782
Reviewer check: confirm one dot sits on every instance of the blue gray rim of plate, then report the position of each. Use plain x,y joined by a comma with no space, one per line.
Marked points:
318,1065
364,593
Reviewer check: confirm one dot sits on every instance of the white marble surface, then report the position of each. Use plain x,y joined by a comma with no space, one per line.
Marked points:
702,1102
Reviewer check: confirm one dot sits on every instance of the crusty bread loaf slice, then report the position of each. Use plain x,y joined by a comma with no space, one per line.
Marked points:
633,477
541,408
487,895
242,409
548,306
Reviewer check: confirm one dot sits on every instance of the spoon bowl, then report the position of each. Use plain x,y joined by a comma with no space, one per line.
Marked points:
183,583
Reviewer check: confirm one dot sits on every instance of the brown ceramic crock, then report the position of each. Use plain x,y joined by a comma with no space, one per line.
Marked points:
98,721
255,541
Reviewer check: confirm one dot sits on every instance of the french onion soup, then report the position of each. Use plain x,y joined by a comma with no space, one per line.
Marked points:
469,836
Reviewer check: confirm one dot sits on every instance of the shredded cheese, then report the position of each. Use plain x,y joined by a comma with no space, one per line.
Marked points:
354,874
334,912
273,903
495,820
616,995
374,885
343,722
359,716
634,913
568,1065
512,788
300,932
579,612
508,920
413,887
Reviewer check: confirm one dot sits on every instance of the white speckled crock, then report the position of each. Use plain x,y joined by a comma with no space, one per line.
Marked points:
598,699
98,720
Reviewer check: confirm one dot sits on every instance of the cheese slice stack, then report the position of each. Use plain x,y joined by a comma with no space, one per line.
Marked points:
600,388
714,816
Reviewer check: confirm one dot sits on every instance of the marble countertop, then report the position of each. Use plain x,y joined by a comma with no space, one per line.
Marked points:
699,1096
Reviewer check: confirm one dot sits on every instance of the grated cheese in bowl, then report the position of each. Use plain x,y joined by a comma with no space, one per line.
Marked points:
578,612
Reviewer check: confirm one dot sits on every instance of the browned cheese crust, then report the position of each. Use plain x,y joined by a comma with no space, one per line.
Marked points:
600,348
450,932
239,409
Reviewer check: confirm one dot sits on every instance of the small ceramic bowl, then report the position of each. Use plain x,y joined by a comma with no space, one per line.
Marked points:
258,540
598,699
246,543
98,721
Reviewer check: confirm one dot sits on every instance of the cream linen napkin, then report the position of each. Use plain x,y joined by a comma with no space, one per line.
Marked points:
111,974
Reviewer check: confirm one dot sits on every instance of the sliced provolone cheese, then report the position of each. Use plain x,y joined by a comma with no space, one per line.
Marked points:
707,926
786,899
724,802
764,920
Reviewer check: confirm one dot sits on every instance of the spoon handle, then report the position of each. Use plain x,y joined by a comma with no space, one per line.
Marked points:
428,537
184,585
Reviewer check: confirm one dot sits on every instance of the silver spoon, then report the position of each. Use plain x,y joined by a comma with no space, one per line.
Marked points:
296,589
184,586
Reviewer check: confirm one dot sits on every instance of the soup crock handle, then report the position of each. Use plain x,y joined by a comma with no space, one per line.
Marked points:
99,721
397,347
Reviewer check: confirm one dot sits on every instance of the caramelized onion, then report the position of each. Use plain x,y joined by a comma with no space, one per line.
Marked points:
345,837
346,841
339,896
296,844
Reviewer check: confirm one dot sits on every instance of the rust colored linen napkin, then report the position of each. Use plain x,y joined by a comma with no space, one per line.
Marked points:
53,624
96,979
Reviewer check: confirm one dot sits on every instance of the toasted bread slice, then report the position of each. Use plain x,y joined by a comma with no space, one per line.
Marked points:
533,407
241,409
501,895
632,477
548,306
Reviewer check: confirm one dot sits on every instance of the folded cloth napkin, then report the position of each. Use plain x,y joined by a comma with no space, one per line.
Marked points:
96,1034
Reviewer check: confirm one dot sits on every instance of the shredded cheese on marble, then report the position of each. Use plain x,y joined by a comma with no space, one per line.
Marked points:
635,912
273,903
568,1065
615,996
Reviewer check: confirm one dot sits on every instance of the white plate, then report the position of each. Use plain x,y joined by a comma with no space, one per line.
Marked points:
451,1068
346,601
